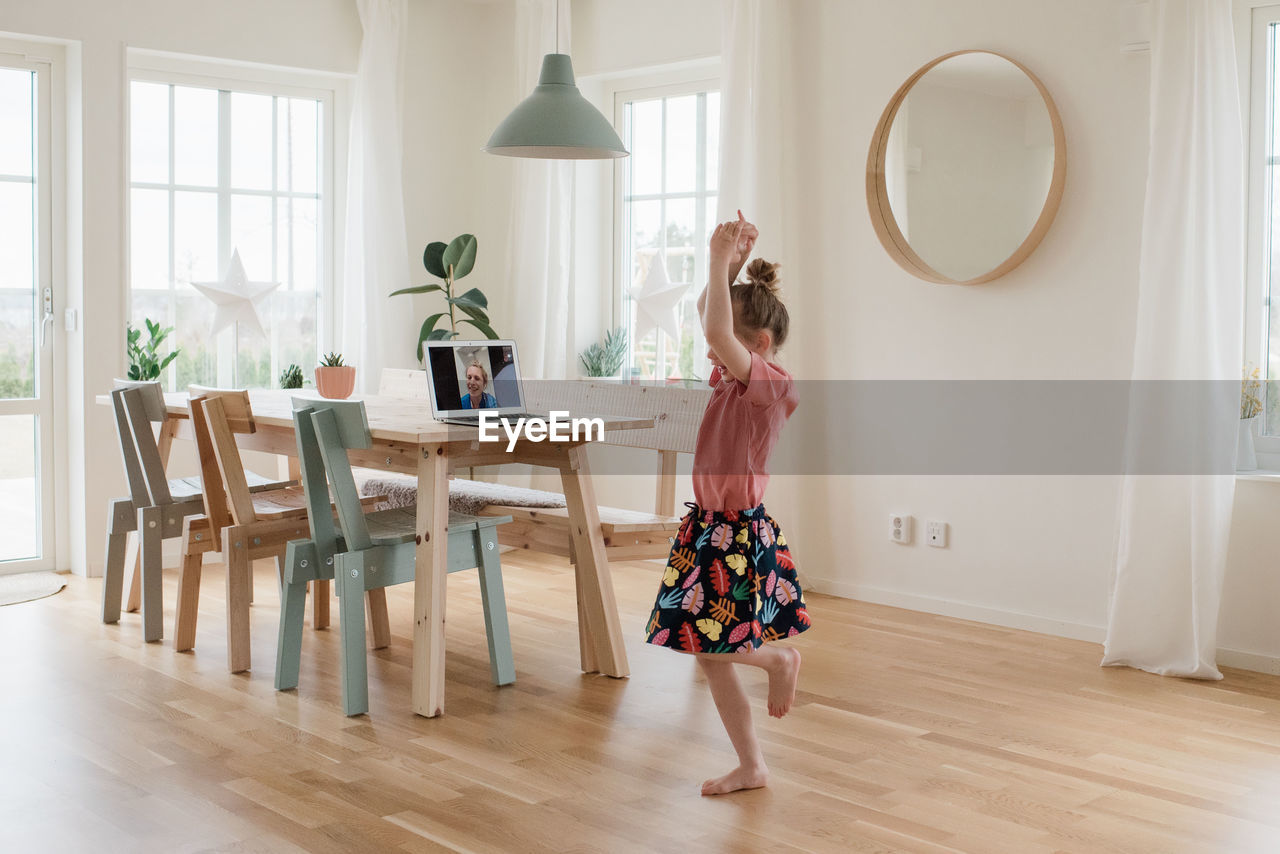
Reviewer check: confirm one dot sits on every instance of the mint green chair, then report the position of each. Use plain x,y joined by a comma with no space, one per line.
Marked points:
371,550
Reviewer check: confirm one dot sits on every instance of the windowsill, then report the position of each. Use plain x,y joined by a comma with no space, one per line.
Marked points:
1259,474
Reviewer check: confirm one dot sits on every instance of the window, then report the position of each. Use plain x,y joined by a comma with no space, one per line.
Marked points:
215,169
667,192
1262,300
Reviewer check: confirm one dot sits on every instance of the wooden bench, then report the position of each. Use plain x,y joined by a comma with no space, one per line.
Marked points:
628,534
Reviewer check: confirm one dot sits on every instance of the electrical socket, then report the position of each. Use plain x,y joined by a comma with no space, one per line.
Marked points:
936,534
900,528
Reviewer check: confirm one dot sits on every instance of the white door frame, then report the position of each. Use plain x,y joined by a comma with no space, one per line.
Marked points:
48,297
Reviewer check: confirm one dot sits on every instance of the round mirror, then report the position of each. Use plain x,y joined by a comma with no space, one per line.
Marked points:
966,168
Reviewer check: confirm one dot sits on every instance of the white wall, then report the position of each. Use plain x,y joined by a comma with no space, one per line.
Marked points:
611,36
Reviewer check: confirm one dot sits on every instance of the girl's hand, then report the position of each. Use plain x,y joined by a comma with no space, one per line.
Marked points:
724,245
732,243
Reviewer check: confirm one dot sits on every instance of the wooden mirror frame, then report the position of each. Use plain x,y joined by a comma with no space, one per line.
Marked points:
891,237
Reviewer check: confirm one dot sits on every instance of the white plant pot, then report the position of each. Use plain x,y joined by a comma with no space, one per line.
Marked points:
1246,459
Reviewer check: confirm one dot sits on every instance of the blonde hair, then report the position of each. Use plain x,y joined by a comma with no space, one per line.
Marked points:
482,371
757,303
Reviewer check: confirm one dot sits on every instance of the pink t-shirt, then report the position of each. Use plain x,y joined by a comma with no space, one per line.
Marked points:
738,432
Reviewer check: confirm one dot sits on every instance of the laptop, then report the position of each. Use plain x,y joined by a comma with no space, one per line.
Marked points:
465,378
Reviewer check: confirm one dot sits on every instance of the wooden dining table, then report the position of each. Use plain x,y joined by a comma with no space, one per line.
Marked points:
407,439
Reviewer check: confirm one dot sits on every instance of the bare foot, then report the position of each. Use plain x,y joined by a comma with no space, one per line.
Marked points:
737,779
782,682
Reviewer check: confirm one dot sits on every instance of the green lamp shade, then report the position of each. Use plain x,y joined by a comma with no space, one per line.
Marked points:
556,122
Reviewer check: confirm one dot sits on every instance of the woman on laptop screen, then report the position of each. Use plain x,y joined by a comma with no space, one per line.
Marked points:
477,381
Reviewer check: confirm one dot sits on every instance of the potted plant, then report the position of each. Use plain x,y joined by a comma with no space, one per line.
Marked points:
145,362
291,377
334,379
1250,406
450,263
604,360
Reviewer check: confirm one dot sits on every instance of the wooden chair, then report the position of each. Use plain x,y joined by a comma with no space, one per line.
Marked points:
371,552
241,524
155,508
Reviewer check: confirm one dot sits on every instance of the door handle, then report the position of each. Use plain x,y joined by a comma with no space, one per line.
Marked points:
48,316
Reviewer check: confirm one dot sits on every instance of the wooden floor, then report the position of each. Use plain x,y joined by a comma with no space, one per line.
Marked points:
911,733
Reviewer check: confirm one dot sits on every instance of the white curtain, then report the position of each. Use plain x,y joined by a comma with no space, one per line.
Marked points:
754,112
538,256
1174,529
765,170
377,331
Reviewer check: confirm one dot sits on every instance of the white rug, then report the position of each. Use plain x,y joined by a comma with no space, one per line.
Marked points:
25,586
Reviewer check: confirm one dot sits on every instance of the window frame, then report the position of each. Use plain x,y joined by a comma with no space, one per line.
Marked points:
330,89
1253,18
680,79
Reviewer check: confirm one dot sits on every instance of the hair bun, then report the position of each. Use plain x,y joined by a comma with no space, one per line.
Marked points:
764,274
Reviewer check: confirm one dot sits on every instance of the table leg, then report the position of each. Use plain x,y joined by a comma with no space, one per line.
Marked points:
320,595
430,571
602,648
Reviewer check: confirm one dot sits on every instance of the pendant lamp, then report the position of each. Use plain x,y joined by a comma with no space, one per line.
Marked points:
556,122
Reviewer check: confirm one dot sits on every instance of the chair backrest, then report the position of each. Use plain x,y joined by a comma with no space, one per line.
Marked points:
137,481
333,426
152,397
315,483
403,382
221,469
235,401
137,405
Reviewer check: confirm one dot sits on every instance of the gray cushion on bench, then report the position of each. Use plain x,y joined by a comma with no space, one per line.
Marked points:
472,496
465,496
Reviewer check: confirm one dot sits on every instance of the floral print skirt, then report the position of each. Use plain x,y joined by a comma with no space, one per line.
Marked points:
729,586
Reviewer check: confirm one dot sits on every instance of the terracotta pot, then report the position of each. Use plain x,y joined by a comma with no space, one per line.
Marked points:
336,383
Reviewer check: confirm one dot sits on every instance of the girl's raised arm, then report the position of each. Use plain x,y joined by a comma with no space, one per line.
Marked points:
745,243
717,320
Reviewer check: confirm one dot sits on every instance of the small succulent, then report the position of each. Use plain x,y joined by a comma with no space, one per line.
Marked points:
332,360
291,377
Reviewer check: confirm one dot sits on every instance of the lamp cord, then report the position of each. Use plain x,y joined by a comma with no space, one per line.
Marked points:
557,26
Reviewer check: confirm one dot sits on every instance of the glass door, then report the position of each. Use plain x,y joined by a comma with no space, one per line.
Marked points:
26,319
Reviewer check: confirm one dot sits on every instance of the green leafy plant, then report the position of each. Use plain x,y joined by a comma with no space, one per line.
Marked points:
145,361
332,360
604,360
291,377
450,263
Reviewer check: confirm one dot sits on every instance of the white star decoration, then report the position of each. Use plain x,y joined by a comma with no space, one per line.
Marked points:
656,299
237,299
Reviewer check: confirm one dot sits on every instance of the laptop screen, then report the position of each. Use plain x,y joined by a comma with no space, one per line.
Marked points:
473,375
